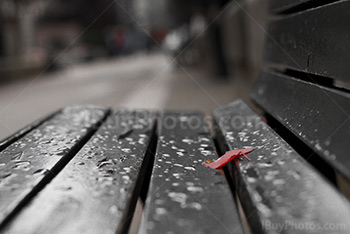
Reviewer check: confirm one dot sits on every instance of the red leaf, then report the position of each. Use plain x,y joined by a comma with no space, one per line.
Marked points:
227,157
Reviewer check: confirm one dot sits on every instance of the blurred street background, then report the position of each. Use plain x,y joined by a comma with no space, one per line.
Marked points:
158,54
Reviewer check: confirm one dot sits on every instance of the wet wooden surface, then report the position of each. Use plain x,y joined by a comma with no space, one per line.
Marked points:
29,163
16,136
97,190
277,188
319,116
314,41
278,6
184,196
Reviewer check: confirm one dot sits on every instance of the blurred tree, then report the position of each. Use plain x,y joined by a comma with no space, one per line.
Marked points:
93,16
18,19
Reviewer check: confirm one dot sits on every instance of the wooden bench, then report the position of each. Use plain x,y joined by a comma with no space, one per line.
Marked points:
82,169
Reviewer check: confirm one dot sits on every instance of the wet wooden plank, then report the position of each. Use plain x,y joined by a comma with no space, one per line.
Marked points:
315,41
184,196
277,6
97,190
279,191
14,137
319,116
29,163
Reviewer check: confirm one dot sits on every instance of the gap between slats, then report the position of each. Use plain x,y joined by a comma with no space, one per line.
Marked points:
316,79
230,181
304,7
132,219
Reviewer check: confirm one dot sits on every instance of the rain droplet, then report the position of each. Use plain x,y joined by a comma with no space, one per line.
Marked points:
190,168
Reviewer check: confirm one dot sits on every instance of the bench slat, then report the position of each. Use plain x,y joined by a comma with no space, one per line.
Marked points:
317,115
314,41
14,137
277,188
97,190
277,6
184,196
29,163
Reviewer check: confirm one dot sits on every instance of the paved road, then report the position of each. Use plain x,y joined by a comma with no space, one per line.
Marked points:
139,81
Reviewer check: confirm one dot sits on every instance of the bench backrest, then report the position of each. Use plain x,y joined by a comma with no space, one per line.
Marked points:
302,86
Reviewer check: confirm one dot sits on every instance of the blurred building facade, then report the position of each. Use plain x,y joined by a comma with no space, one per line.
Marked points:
33,33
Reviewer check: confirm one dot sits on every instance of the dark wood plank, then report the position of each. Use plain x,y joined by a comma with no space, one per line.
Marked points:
279,191
315,41
319,116
14,137
277,6
29,163
185,196
97,190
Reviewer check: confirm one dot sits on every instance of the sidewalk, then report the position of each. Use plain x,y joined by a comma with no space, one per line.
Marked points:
139,81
